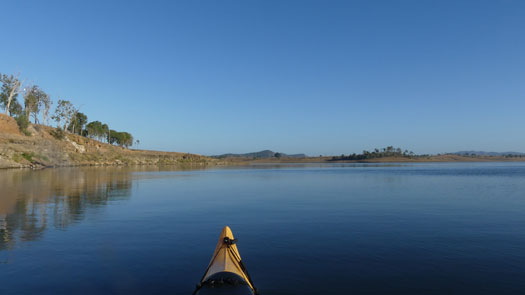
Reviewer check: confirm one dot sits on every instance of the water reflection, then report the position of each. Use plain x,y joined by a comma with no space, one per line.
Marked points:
32,201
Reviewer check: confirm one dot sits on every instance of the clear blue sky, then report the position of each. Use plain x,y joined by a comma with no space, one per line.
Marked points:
315,77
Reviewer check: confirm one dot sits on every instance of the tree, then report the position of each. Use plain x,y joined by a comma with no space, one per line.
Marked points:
113,136
64,112
34,99
126,139
278,155
105,132
96,130
46,106
15,109
11,86
23,122
78,121
123,139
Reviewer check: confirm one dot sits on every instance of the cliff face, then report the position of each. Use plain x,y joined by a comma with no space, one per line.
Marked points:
41,149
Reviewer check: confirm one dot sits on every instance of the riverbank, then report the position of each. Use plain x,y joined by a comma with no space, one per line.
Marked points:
42,148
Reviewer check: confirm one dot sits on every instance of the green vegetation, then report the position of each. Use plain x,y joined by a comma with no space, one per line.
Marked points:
67,117
78,122
58,133
9,93
36,100
27,156
43,157
121,138
97,130
377,153
23,123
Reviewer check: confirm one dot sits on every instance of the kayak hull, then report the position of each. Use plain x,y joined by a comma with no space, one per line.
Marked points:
225,283
226,274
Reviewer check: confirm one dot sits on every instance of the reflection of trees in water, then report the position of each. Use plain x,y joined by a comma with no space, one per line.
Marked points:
33,200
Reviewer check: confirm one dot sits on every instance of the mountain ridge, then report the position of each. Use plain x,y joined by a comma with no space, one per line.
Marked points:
264,154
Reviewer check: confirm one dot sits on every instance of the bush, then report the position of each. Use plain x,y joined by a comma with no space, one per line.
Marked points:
58,133
28,156
23,123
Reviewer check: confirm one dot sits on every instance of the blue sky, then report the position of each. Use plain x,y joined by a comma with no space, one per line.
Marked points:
315,77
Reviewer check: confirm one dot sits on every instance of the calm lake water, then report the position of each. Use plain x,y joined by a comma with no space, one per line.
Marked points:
302,229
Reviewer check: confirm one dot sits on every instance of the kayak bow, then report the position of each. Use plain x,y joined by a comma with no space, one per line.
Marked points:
226,274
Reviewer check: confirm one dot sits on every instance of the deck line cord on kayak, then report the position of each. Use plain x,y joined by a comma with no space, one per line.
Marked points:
228,242
205,272
245,270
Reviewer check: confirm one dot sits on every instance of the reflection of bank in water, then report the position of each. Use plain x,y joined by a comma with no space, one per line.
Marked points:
3,225
4,233
2,222
56,198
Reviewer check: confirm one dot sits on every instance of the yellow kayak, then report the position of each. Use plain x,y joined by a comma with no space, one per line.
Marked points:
226,274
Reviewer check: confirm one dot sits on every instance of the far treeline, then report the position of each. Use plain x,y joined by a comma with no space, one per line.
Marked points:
400,153
378,153
37,104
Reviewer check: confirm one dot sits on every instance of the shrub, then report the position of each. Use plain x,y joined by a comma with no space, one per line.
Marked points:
23,123
58,133
43,157
28,156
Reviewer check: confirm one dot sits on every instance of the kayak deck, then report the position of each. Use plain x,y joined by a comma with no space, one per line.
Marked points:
226,274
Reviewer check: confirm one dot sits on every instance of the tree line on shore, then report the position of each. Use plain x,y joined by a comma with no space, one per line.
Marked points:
389,151
68,118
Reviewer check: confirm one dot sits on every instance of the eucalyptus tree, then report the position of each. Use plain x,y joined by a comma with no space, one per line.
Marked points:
78,121
64,112
105,132
15,109
126,139
11,86
123,139
46,106
35,99
94,130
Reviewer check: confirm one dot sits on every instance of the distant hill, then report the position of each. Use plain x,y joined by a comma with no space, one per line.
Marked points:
266,154
492,154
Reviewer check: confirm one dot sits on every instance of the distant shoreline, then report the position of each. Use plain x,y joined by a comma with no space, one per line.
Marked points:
429,159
